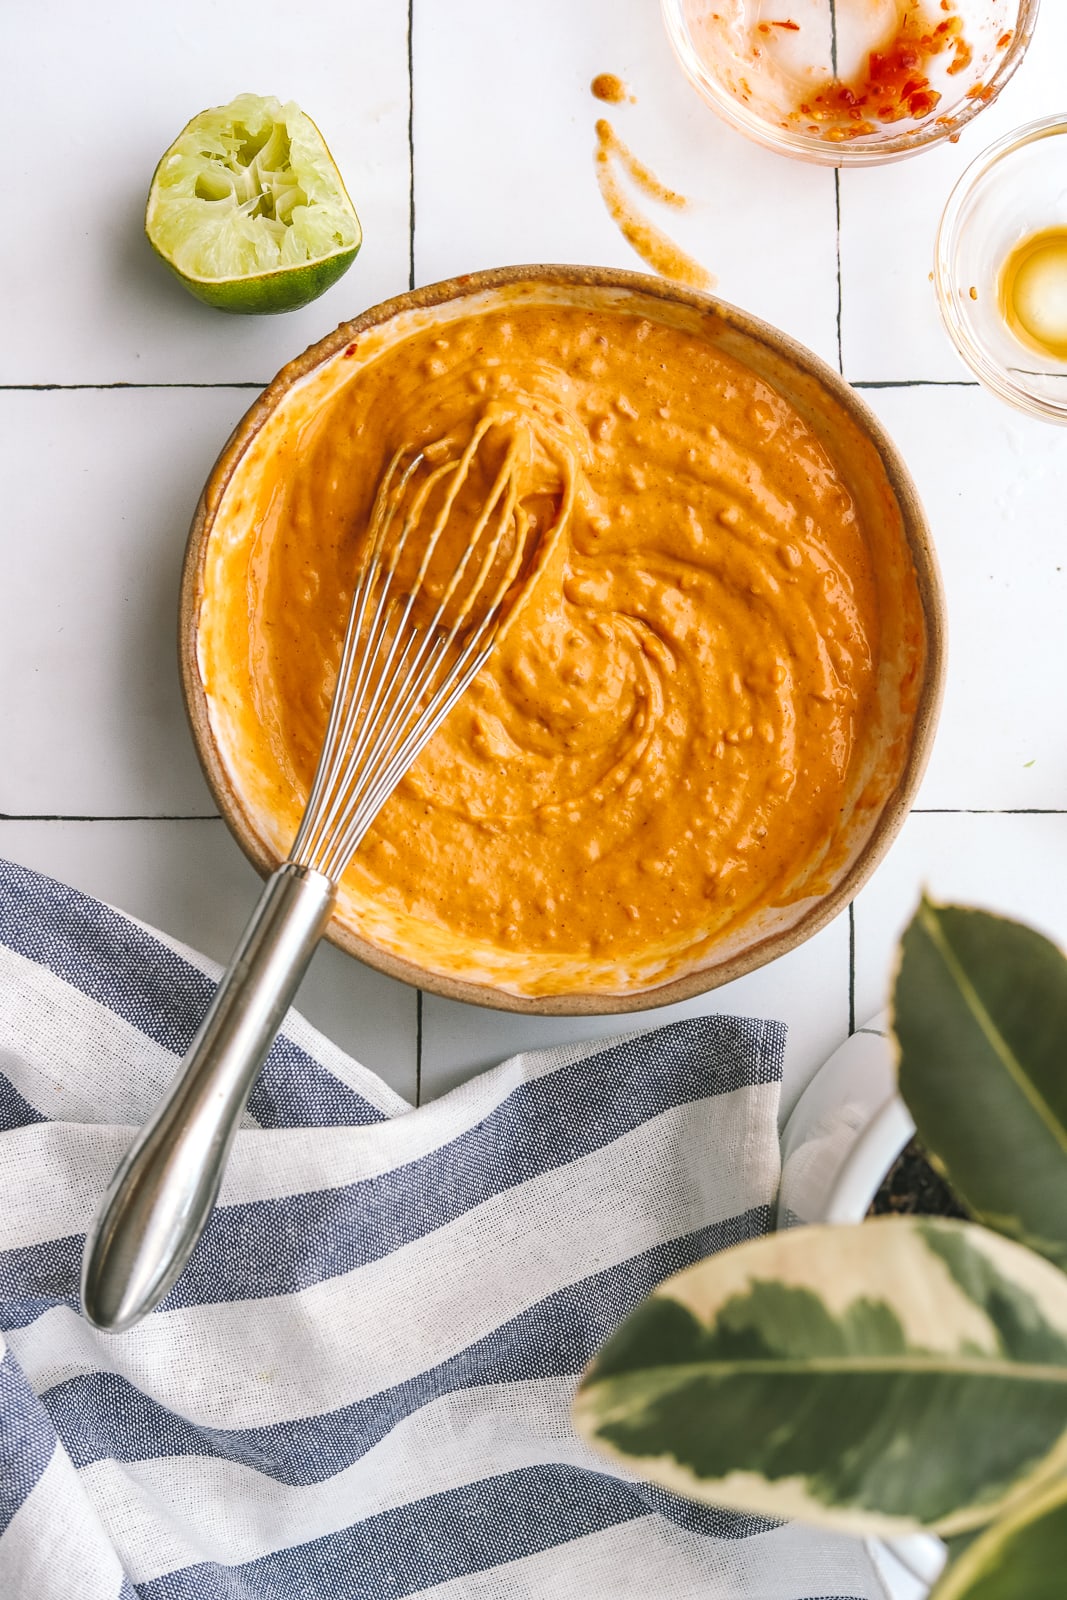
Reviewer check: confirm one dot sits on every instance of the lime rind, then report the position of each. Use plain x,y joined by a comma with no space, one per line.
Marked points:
249,210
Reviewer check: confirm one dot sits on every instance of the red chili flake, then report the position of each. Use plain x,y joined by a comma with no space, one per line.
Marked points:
1005,40
895,82
351,349
962,58
794,27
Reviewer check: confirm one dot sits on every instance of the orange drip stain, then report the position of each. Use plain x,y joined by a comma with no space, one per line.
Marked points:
655,248
645,179
606,86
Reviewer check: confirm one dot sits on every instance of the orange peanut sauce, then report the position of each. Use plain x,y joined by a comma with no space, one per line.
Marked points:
689,707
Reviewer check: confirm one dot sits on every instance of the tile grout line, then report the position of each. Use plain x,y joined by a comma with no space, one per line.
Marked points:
48,388
988,811
185,816
840,292
851,969
916,383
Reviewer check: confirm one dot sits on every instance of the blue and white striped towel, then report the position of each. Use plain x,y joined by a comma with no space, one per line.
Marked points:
361,1385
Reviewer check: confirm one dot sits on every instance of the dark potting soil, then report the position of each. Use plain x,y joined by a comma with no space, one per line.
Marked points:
912,1188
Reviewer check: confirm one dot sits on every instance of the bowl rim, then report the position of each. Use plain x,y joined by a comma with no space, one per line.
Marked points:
989,372
916,531
802,146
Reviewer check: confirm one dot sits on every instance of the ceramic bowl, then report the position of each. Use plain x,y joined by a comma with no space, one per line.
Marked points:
864,456
849,82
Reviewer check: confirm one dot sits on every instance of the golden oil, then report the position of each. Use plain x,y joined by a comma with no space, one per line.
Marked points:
1033,292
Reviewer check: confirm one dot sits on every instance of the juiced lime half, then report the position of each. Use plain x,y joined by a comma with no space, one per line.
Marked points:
248,209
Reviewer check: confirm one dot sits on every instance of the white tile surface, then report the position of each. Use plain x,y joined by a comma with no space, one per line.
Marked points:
889,215
992,484
100,489
99,94
99,484
190,879
504,169
807,989
1015,865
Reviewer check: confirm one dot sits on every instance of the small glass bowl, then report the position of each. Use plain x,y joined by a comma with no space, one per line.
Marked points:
849,82
1015,189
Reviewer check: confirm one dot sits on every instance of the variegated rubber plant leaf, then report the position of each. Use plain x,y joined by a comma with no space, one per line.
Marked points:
901,1374
980,1018
1022,1556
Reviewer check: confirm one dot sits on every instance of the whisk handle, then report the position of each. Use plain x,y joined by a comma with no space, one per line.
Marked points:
161,1195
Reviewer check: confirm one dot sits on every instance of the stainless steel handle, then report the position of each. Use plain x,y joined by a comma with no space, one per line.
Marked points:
162,1193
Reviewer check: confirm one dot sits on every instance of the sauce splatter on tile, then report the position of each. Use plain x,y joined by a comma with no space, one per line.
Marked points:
606,86
655,247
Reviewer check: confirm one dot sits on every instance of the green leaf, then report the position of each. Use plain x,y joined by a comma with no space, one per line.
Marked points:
1023,1556
905,1373
980,1017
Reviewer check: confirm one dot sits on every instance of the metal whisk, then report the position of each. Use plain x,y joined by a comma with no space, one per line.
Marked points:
412,646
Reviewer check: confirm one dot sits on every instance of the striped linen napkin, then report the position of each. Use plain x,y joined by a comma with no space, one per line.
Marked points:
361,1385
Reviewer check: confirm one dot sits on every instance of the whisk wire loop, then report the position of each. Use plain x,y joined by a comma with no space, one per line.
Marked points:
398,680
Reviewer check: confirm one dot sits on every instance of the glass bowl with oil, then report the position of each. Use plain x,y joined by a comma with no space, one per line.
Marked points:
849,82
1001,268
